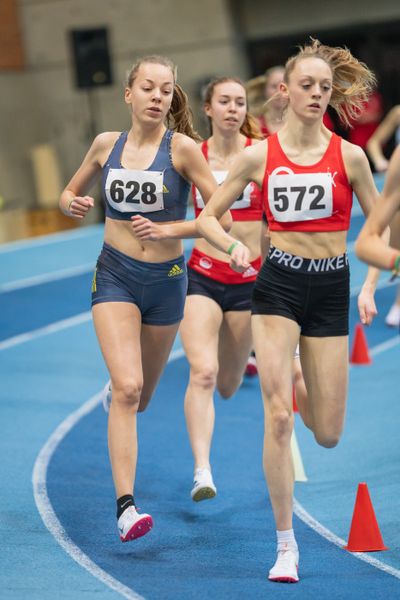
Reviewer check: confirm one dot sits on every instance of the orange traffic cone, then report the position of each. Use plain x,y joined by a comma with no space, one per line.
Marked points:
364,533
295,407
359,353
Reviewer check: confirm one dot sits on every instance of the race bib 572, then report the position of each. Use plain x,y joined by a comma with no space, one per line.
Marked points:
299,196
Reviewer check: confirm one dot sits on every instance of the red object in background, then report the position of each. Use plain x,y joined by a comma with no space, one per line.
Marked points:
359,353
364,535
370,116
295,407
327,121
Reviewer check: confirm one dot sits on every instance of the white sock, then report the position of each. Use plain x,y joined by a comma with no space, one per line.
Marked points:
286,540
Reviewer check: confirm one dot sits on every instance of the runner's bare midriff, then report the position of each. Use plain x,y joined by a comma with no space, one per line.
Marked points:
120,235
308,244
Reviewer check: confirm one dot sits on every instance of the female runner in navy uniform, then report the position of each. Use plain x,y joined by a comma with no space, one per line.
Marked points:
216,329
302,291
139,287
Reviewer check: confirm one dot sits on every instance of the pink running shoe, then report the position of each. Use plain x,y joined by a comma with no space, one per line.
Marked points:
132,525
251,367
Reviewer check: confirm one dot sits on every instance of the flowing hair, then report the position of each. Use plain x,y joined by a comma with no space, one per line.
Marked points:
257,101
179,117
352,81
250,127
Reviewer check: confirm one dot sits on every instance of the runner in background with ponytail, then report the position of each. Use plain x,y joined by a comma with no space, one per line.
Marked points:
216,329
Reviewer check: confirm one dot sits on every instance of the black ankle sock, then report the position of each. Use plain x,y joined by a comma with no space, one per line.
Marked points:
123,503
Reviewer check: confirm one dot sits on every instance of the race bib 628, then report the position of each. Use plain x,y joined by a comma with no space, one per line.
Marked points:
128,190
299,196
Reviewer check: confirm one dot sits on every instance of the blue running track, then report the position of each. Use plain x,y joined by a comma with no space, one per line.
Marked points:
55,464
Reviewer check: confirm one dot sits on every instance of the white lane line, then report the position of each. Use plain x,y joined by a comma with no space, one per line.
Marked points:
299,472
47,277
86,316
47,330
334,539
356,289
45,508
51,238
388,345
19,284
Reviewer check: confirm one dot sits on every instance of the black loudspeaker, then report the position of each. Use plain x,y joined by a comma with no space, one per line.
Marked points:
91,57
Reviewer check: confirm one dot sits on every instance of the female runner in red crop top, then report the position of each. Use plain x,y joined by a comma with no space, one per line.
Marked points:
302,290
216,328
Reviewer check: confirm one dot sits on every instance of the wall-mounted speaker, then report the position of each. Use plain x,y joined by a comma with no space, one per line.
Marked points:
91,57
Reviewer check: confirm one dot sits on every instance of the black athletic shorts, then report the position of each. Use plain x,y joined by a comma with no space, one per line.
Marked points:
229,296
313,292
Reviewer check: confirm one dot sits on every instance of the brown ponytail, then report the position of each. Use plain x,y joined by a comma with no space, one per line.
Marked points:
179,117
250,127
352,80
181,114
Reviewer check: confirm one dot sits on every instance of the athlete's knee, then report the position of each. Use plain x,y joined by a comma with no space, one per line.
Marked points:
228,385
280,423
226,391
128,392
204,377
144,402
328,438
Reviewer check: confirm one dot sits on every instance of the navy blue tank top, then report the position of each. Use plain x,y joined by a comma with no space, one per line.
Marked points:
158,193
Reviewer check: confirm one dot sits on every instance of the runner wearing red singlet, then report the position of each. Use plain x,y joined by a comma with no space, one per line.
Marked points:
302,290
216,329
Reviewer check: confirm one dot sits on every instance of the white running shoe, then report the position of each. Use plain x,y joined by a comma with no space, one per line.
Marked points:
203,485
285,570
393,316
132,525
106,396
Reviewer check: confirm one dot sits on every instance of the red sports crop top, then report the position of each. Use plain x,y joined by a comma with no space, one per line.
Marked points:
314,197
249,205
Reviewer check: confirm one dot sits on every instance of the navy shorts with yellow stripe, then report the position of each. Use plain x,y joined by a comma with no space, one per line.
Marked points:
157,289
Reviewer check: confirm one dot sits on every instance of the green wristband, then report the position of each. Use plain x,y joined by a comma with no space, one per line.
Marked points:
395,268
232,246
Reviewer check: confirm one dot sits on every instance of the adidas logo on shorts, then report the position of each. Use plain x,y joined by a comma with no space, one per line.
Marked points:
175,271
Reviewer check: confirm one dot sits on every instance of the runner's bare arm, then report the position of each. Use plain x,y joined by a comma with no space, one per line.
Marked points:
73,201
248,166
363,184
190,162
370,246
